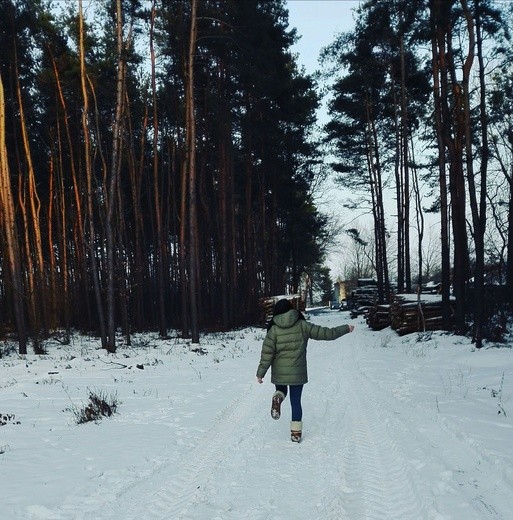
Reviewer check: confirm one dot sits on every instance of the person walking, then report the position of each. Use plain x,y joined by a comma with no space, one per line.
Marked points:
284,351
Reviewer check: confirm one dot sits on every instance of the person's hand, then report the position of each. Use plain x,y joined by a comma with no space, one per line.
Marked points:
260,380
351,328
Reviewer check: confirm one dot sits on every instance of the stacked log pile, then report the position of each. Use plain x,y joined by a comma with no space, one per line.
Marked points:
407,316
378,317
412,316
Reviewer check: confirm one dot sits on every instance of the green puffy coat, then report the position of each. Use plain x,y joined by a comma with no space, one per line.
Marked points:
284,348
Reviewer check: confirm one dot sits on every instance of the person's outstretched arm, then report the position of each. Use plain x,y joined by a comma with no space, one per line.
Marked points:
328,333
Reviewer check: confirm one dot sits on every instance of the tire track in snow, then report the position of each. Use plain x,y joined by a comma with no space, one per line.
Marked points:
434,447
363,457
377,470
282,470
381,482
170,490
329,446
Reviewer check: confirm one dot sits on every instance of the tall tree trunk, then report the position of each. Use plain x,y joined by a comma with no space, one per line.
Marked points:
37,291
265,230
63,234
458,206
406,165
453,132
8,221
135,169
374,166
399,194
53,320
438,17
160,256
420,221
78,236
27,260
183,251
223,210
478,208
454,135
190,127
509,261
249,260
89,182
123,267
172,223
115,167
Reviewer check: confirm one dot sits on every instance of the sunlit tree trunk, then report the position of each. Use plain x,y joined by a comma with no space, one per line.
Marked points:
509,261
89,181
79,253
33,241
53,320
26,258
62,239
10,232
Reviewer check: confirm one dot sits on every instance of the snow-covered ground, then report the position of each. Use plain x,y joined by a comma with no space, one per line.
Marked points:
394,428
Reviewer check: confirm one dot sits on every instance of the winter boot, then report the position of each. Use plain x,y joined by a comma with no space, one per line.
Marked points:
278,398
295,430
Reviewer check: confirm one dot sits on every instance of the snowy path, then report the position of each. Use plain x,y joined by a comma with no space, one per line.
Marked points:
394,429
367,453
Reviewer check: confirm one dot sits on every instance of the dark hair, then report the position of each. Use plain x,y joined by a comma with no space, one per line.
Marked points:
281,307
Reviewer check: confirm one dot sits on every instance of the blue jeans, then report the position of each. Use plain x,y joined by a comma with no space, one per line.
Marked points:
295,399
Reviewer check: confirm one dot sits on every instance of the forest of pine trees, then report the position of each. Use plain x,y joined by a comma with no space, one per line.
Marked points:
158,159
425,99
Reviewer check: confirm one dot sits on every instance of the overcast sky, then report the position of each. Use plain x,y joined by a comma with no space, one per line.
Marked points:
317,22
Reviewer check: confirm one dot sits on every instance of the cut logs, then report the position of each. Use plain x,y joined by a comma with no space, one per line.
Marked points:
406,315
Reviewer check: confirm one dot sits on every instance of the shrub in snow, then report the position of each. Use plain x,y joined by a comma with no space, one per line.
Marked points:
100,405
6,418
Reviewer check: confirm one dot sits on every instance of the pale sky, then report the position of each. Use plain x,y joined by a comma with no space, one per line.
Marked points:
317,22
